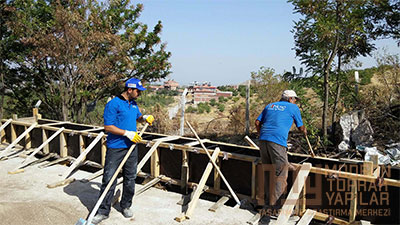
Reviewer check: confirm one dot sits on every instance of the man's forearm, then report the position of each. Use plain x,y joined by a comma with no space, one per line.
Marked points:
114,130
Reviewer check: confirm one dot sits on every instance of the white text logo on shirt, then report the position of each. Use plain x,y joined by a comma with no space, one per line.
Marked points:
277,107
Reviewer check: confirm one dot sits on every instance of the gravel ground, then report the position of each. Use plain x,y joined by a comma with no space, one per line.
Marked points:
25,199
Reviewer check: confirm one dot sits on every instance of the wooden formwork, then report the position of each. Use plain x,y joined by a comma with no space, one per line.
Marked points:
181,162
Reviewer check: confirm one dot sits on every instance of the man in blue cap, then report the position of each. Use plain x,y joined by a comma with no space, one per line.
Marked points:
120,117
273,125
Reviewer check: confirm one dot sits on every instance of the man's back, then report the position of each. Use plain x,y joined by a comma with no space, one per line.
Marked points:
276,120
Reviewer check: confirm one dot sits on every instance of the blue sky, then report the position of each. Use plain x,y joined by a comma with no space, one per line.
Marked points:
223,41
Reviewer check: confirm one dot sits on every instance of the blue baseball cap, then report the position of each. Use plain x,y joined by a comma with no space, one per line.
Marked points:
135,83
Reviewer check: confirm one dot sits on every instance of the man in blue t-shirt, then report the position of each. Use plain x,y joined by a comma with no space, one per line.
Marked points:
120,117
273,126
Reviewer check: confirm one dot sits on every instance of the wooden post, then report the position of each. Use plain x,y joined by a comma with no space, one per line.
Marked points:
44,139
184,173
2,132
63,145
199,189
28,143
260,184
353,203
13,132
155,163
368,168
217,177
253,179
82,144
35,114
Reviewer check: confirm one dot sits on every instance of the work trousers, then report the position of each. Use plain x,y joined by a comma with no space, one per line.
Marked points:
275,162
113,160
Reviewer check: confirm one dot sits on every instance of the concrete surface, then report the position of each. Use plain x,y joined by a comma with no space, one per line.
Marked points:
25,199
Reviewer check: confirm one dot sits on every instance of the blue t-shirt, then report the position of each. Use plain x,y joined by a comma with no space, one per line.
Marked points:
122,114
276,120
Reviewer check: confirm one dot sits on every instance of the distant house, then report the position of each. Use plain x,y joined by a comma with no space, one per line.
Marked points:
206,92
171,85
156,87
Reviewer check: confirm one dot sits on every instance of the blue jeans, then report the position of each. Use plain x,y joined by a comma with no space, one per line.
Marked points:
113,159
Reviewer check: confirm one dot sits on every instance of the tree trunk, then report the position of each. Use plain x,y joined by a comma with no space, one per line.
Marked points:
2,90
327,68
337,97
326,104
64,101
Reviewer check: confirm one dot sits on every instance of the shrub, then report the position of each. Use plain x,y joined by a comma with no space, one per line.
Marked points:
221,107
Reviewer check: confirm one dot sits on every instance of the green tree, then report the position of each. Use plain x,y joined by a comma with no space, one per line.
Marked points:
81,51
329,29
267,84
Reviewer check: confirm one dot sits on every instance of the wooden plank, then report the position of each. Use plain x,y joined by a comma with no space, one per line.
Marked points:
251,142
294,193
148,155
203,180
217,177
307,217
63,145
82,156
30,158
46,148
254,220
18,139
69,158
342,174
196,142
61,183
148,185
353,203
323,217
94,129
368,168
215,165
2,132
218,204
93,176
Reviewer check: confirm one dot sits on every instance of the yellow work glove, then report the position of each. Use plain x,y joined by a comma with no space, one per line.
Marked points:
149,119
133,136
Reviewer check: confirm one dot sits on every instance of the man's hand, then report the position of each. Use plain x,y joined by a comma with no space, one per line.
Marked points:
133,136
149,119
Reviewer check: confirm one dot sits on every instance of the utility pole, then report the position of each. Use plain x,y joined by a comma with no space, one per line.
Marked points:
183,102
248,108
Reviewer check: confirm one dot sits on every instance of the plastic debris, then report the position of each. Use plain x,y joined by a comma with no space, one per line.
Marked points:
356,129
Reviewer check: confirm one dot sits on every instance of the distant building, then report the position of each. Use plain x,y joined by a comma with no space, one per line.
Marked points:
206,92
171,85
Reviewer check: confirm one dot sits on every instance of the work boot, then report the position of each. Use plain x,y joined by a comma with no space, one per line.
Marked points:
264,220
127,212
98,218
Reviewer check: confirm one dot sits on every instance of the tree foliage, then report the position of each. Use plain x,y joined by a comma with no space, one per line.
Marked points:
73,53
331,29
267,85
